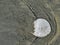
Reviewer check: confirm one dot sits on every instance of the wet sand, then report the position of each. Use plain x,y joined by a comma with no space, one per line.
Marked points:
16,21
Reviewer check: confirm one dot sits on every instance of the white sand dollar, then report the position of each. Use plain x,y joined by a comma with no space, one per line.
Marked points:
41,28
